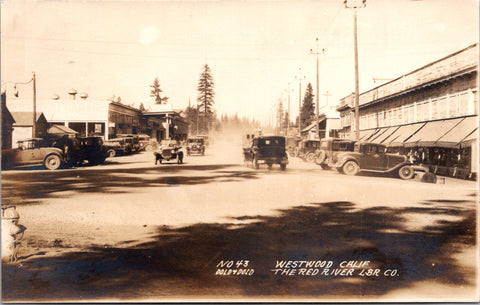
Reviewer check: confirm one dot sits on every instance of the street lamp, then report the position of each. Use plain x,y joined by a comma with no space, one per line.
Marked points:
34,118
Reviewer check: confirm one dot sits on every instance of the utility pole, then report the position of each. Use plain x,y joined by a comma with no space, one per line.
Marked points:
327,95
299,77
34,127
317,52
355,8
288,110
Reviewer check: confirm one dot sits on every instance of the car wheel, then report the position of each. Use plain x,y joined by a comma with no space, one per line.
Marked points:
111,153
148,147
351,168
310,157
269,165
283,167
320,158
406,172
52,162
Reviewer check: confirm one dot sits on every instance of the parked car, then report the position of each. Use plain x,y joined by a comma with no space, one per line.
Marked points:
33,152
266,150
373,157
134,141
115,147
91,149
291,143
195,145
306,150
146,143
169,150
326,155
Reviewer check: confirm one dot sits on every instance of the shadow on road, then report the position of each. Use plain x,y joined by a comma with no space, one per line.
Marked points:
45,184
182,262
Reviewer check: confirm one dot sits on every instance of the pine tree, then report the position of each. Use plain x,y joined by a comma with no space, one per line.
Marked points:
142,107
308,107
156,92
206,96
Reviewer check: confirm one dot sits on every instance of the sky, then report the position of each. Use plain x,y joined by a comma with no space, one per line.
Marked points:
259,52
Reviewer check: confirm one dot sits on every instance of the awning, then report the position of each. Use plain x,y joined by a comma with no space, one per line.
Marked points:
376,135
61,129
365,134
383,134
312,125
398,137
459,133
432,132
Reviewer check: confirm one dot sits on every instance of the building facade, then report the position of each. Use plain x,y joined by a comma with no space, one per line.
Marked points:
430,113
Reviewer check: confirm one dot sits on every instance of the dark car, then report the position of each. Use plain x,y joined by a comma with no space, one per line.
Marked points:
169,150
306,150
33,152
196,145
91,149
266,150
326,155
373,157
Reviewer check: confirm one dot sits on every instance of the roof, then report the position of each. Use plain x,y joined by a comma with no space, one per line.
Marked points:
25,118
61,129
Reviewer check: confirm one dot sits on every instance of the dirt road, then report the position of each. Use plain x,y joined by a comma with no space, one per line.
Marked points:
130,230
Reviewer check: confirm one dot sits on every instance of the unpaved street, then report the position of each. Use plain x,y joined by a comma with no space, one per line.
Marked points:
132,230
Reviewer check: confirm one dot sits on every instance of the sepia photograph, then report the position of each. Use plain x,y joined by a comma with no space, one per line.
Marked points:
311,151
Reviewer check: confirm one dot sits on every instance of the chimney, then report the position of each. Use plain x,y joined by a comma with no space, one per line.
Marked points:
72,93
83,95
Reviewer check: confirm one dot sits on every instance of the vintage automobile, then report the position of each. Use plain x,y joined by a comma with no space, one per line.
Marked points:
326,155
115,147
146,143
91,149
132,139
372,157
266,150
33,152
168,150
306,150
196,145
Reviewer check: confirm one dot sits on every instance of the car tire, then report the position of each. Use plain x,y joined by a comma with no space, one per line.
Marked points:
310,157
283,167
111,153
406,172
320,158
269,165
52,162
351,168
148,147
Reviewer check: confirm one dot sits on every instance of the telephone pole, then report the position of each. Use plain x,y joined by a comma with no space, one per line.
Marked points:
317,52
300,77
355,8
288,110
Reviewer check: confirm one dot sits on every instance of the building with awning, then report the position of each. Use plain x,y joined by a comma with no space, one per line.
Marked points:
328,124
431,112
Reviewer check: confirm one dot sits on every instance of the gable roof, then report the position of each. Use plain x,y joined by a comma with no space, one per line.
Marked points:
25,118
